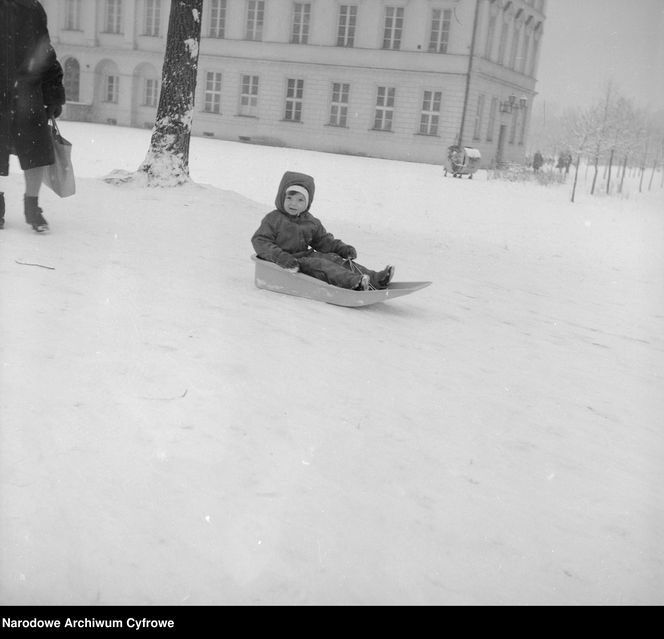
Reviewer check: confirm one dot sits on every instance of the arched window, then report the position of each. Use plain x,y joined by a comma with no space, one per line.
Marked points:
72,79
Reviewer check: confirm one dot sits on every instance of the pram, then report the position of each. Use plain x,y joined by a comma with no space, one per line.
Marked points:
462,160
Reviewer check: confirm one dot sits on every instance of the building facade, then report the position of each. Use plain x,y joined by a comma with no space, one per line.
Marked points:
399,79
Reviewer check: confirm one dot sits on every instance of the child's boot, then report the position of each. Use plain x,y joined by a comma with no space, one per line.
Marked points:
384,277
2,210
363,284
33,214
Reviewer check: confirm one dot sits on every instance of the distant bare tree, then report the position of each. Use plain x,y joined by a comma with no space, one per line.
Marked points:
611,129
600,126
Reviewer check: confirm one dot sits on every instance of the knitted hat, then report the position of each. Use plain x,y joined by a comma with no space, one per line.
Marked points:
299,189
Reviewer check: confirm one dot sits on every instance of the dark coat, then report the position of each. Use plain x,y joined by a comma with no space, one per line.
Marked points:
538,160
30,79
282,237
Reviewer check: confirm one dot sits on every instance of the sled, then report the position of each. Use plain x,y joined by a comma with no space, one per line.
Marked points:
271,277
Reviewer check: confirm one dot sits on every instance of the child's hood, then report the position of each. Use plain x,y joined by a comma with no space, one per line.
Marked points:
292,177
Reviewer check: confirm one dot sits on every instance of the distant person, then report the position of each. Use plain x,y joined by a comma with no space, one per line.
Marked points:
457,156
294,239
538,161
31,92
564,161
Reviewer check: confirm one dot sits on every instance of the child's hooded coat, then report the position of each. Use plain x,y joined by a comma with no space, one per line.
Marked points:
282,238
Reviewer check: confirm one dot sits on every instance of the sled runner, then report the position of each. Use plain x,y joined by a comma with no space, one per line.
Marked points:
271,277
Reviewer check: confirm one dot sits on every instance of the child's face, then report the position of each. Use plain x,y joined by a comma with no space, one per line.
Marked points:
294,203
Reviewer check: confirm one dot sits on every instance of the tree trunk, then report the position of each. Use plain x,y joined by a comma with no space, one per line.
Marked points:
608,177
622,177
167,159
643,166
576,175
592,188
652,175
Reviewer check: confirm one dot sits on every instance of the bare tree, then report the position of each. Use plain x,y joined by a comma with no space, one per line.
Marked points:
167,160
601,122
609,129
621,136
581,126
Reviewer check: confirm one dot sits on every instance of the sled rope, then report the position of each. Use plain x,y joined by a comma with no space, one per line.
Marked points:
355,269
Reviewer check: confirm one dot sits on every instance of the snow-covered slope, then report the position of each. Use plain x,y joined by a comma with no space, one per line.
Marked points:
171,434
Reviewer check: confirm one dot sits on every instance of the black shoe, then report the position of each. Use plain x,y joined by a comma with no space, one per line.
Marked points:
39,223
384,277
33,215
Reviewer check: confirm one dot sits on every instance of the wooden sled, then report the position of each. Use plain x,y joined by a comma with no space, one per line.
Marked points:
271,277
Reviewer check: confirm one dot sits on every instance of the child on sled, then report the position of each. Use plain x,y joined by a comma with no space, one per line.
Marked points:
297,241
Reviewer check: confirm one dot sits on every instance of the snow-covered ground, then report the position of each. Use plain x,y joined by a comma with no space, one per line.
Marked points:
170,434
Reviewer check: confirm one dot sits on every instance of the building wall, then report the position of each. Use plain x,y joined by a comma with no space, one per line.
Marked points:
131,58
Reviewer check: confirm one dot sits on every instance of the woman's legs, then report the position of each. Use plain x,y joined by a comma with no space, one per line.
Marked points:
33,181
2,201
33,214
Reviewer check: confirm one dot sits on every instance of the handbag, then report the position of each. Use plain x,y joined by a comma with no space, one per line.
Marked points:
59,176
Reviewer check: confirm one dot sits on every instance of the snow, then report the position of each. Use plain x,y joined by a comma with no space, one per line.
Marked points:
192,43
171,434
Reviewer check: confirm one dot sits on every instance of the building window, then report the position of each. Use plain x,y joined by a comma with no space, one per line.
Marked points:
212,97
152,18
113,16
73,15
516,35
524,51
301,17
217,28
150,92
72,79
111,88
430,115
249,96
478,117
440,30
502,43
294,95
384,109
339,105
393,28
255,17
490,35
491,125
533,54
347,22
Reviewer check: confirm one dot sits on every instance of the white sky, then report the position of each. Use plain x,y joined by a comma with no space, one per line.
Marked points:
586,43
